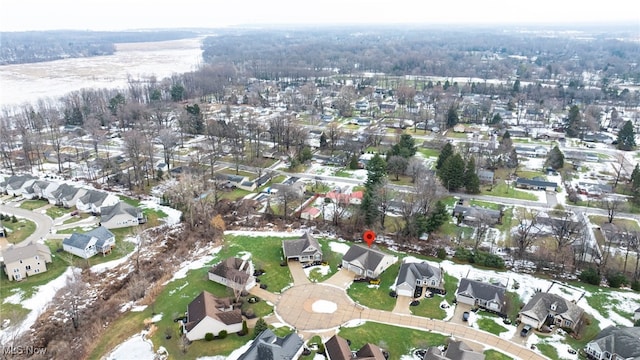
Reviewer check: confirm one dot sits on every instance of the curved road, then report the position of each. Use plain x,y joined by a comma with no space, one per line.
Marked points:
43,222
315,308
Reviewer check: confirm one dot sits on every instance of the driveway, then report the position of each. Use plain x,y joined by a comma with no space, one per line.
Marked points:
297,273
342,279
552,199
43,222
402,305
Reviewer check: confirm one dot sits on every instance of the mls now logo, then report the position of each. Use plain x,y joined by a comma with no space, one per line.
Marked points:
24,350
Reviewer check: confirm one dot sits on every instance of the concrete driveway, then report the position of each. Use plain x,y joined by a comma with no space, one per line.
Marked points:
297,273
342,279
402,305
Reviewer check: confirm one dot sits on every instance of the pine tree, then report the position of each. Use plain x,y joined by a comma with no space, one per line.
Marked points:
406,147
471,179
369,208
261,326
555,160
452,117
447,150
452,172
626,137
635,184
376,171
438,217
572,123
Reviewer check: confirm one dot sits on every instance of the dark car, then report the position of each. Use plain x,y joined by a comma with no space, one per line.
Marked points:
465,316
525,330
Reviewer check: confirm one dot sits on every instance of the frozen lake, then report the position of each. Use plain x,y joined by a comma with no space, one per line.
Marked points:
30,82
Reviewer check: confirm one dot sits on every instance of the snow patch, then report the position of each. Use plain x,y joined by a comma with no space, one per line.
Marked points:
324,307
16,298
136,347
138,308
156,318
339,247
323,269
186,266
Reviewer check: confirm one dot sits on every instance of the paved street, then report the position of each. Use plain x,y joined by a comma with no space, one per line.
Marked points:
321,308
42,221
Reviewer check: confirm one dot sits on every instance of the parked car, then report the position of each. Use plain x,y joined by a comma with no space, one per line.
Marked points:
465,316
74,213
525,330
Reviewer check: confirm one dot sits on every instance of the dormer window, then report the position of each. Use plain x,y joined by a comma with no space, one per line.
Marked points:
553,307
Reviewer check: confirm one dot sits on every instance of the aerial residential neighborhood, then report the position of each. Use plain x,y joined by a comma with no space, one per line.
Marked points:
431,195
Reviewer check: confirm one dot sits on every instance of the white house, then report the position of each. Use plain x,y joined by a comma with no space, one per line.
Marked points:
418,275
368,262
66,195
615,343
208,314
233,272
20,262
16,183
93,200
484,295
120,215
544,306
99,240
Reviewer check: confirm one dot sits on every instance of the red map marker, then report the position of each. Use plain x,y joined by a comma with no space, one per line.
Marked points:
369,237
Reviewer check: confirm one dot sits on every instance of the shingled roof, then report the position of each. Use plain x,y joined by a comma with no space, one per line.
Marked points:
121,207
481,290
207,305
410,272
306,245
540,306
14,253
234,269
623,341
366,258
267,346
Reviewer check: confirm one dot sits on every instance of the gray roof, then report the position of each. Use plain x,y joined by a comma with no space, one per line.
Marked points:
102,234
93,197
233,269
410,272
267,346
77,240
367,257
207,305
481,290
540,306
623,341
108,212
65,191
456,350
15,253
477,212
539,183
306,245
16,181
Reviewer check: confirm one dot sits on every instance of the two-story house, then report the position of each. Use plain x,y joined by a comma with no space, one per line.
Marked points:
418,275
23,261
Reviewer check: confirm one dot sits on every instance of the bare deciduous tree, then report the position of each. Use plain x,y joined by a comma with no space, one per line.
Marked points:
526,232
565,232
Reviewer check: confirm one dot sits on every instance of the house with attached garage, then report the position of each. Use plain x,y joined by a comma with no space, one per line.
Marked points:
268,346
234,272
98,240
93,200
367,262
20,262
615,343
413,276
456,350
535,184
66,195
39,189
121,215
208,314
546,309
304,249
15,184
481,294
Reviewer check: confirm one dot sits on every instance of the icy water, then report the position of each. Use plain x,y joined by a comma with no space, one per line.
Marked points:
30,82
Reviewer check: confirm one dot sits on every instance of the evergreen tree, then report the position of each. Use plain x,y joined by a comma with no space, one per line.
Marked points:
635,184
446,151
572,122
471,179
626,137
497,119
376,171
406,147
353,162
452,117
438,217
555,159
452,172
369,208
323,141
261,326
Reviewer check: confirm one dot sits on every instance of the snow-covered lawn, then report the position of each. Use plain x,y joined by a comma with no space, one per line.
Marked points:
136,347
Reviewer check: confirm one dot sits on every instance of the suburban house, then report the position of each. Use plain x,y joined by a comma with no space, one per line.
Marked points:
546,309
208,314
534,184
234,272
418,275
93,200
238,181
14,184
305,249
485,176
617,235
337,348
310,213
98,240
636,315
367,262
484,295
354,198
66,195
268,346
615,343
120,215
24,261
475,214
39,189
456,350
